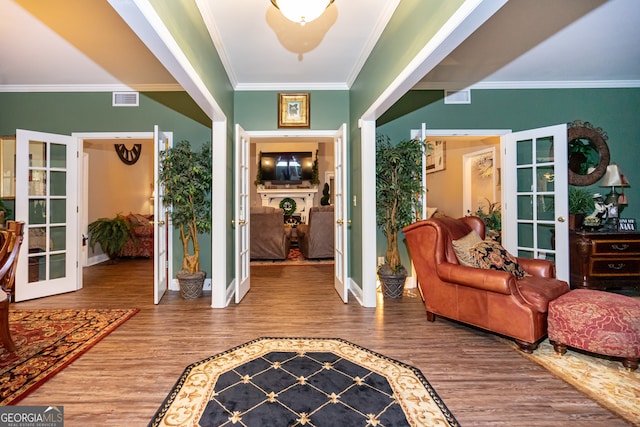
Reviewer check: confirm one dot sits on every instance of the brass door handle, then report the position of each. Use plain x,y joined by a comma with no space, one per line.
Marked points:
561,219
242,222
340,222
161,223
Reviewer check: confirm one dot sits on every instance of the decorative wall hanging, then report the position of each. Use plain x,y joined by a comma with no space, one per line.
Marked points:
588,153
435,156
128,156
288,205
293,110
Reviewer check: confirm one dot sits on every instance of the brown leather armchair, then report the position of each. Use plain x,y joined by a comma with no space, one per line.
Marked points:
270,238
489,299
316,239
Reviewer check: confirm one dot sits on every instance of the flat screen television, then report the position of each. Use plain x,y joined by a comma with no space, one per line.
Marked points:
287,167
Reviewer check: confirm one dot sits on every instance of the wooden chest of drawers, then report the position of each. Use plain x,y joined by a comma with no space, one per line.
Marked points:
604,260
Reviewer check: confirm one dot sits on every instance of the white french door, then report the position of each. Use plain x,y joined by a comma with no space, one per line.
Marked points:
162,141
47,201
340,211
534,184
241,214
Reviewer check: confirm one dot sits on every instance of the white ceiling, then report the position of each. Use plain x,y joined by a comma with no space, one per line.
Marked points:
85,45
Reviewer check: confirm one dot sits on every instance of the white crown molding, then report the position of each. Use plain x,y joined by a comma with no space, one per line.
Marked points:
384,18
300,87
578,84
204,7
92,88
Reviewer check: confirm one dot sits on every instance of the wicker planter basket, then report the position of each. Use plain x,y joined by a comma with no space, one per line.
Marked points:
191,284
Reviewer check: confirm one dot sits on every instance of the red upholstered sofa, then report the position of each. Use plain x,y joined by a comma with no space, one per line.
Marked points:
142,229
490,299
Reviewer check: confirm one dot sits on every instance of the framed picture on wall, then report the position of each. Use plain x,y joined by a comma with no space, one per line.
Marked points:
293,110
436,151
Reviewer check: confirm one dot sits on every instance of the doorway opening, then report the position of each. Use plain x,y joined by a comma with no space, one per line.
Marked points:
303,193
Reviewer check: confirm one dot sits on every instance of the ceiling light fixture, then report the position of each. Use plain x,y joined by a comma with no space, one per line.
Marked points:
301,11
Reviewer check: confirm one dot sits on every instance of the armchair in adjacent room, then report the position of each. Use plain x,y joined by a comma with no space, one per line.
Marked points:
270,237
316,238
504,294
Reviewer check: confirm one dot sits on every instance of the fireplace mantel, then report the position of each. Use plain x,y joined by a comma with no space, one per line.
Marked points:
302,196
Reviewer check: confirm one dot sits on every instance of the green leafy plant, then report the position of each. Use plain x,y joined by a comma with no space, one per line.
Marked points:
3,207
580,200
111,234
398,190
259,180
315,173
324,201
186,176
492,217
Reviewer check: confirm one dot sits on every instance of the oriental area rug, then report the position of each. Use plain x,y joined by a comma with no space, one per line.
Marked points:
603,379
49,340
295,258
302,382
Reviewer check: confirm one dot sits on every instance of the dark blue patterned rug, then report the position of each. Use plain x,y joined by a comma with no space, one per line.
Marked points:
302,382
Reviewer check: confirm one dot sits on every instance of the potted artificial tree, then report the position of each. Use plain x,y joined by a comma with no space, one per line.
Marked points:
580,204
186,176
111,234
398,191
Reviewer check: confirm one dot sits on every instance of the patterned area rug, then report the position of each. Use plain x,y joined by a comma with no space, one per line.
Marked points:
295,258
302,382
49,340
603,379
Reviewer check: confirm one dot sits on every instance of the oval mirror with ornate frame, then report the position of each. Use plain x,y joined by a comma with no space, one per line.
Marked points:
588,153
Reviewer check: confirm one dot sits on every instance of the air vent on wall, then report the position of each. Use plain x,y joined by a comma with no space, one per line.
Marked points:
125,99
457,96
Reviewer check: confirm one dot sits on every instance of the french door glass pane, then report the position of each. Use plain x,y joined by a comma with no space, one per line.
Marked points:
37,211
57,267
525,150
37,154
58,211
58,183
58,156
58,238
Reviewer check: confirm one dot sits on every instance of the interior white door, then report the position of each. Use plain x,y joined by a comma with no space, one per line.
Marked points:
241,215
47,201
340,211
535,184
162,141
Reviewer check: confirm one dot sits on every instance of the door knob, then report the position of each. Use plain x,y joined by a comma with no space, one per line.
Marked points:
561,219
340,222
242,222
160,223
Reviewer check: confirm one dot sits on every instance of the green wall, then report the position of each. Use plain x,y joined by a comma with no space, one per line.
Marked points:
614,110
412,26
184,22
258,110
64,113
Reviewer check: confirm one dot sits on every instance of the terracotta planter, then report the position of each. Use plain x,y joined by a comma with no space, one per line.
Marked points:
191,284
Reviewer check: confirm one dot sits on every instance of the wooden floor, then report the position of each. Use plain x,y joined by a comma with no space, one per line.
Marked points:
124,378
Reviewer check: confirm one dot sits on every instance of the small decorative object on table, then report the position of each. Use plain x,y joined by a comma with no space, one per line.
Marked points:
591,223
627,224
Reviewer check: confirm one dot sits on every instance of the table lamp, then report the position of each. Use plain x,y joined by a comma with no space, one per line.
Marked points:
613,178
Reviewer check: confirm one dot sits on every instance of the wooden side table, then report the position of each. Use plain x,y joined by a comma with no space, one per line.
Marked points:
604,260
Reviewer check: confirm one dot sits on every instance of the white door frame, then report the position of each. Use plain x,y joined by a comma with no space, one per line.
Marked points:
467,202
83,203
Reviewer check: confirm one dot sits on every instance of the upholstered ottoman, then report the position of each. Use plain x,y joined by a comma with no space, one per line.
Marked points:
596,321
